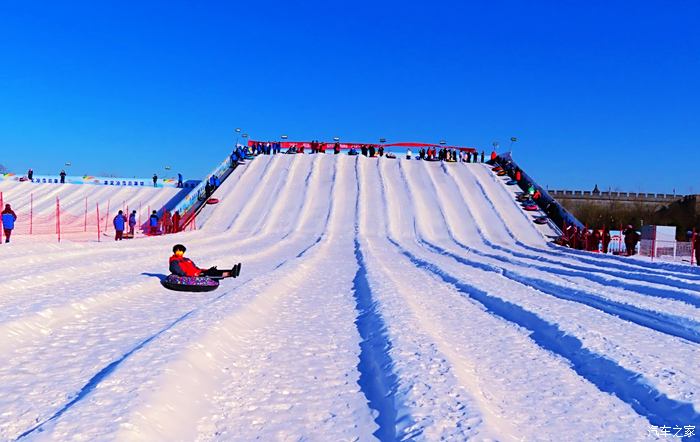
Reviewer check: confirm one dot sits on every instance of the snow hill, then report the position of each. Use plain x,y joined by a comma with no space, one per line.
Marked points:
389,299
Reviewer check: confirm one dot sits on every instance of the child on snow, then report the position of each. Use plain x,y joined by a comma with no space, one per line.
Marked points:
181,266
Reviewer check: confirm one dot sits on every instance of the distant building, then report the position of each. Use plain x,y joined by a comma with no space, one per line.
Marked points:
647,200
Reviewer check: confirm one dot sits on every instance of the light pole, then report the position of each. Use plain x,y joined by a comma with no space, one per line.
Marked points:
336,139
238,132
244,136
512,140
443,142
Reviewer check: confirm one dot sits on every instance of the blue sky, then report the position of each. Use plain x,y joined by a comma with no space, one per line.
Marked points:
599,92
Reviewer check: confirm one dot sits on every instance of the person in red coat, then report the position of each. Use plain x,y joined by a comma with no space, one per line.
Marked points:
181,266
176,222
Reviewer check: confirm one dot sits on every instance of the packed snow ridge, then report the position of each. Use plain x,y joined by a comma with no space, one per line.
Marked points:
379,299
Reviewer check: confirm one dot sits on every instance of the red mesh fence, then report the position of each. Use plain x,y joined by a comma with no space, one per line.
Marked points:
78,220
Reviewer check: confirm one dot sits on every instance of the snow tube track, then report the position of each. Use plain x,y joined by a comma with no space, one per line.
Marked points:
380,300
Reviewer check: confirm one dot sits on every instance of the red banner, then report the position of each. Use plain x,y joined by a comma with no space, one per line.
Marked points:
347,146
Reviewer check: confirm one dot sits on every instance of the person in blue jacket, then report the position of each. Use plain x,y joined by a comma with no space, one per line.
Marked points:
179,180
8,221
153,222
119,222
132,222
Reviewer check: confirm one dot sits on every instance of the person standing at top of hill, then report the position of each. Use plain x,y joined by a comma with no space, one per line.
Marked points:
8,221
336,148
482,156
155,179
696,245
493,155
30,175
63,176
179,180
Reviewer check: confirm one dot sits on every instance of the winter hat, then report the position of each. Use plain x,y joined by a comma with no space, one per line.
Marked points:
177,247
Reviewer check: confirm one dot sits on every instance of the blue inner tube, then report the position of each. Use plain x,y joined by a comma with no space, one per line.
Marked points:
189,283
511,183
541,220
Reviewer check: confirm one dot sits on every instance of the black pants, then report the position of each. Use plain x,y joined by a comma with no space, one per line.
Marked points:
118,235
214,273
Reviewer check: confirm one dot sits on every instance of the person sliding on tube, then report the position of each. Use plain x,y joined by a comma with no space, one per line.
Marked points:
181,266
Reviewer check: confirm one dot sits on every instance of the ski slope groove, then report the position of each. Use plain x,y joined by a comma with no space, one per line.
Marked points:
379,300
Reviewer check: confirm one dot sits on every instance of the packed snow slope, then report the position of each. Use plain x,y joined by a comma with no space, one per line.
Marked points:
379,299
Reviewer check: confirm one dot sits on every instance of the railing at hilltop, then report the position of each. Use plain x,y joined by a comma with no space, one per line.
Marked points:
555,211
197,198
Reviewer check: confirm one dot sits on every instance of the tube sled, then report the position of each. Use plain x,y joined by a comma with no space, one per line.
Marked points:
511,183
390,155
541,220
501,173
189,283
530,208
497,169
213,201
523,197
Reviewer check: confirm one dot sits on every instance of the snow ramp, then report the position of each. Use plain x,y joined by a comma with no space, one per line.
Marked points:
380,299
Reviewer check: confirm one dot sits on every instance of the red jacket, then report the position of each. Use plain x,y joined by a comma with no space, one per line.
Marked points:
181,266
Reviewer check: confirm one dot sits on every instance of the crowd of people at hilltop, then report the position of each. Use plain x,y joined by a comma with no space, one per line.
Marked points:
431,153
